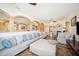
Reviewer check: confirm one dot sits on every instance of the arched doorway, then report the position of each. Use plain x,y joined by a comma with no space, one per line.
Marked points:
42,26
37,25
21,23
4,21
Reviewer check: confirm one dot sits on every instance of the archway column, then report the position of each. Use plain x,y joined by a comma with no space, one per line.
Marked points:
11,25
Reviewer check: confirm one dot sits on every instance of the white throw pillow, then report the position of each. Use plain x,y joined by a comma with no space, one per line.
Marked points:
19,39
1,47
13,40
32,35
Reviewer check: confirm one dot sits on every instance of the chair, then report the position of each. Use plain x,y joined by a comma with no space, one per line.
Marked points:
62,37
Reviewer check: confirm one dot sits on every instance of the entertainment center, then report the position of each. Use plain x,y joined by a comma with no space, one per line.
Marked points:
73,44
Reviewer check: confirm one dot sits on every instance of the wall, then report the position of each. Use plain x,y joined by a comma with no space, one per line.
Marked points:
73,29
46,28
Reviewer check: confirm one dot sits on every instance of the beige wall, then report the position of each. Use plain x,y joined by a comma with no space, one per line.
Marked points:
73,29
46,28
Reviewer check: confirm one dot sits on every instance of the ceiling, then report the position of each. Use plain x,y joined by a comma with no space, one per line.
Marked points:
42,11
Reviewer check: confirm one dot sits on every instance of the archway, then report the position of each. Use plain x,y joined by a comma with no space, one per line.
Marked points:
42,26
37,25
4,21
21,23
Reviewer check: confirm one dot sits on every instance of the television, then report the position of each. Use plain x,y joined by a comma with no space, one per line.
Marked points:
77,28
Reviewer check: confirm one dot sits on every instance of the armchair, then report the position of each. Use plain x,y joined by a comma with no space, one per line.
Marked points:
62,37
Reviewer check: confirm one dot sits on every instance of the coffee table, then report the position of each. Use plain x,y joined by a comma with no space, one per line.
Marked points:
43,48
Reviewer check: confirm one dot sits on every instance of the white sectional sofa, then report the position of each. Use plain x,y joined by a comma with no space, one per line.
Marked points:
12,43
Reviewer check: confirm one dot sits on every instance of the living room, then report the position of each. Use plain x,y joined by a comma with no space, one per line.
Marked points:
39,29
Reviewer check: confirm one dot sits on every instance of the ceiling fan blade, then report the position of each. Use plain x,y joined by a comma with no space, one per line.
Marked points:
33,4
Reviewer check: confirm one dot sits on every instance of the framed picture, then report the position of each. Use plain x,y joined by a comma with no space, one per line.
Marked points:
73,21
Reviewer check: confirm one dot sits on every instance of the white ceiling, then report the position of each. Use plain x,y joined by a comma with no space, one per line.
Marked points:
43,11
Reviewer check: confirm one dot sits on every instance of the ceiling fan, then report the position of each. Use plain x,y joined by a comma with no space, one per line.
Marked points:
33,4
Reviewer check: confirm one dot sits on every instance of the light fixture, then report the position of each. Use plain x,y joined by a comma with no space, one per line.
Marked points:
33,4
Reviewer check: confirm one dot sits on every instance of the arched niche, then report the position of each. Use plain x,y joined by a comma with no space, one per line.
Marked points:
21,23
4,21
37,25
42,26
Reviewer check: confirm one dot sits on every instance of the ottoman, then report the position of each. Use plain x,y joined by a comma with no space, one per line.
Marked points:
43,48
